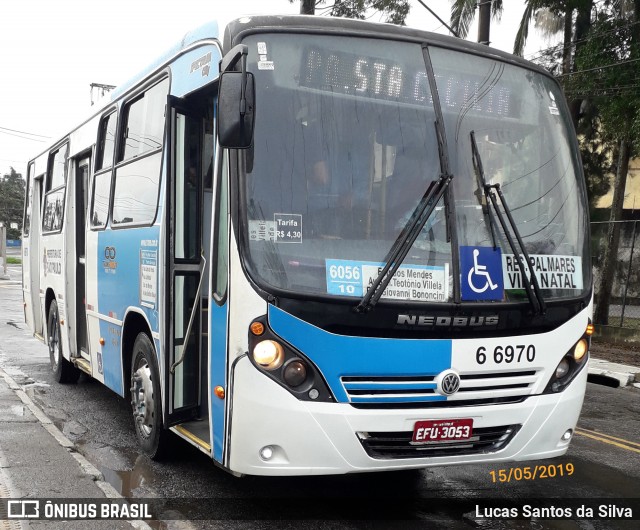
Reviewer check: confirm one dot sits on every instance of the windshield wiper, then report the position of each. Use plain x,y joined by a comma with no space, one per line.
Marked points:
404,242
490,191
410,232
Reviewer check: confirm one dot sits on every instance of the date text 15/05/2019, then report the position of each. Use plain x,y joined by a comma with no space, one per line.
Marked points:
541,471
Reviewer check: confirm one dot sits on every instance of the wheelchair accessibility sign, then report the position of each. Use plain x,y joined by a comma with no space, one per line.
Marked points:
481,270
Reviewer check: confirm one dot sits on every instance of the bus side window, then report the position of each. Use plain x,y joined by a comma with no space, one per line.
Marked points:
101,193
106,142
26,225
54,191
137,174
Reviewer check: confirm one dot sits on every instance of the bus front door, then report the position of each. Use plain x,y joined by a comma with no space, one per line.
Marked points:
37,301
186,267
82,185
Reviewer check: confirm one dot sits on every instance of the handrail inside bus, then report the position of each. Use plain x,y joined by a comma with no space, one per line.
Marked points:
196,304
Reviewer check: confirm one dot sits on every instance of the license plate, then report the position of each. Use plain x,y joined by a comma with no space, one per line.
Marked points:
442,430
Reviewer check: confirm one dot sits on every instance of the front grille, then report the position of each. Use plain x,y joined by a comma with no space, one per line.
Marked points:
409,391
439,404
377,389
398,444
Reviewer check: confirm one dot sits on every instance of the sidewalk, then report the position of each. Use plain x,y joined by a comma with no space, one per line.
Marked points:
613,374
38,462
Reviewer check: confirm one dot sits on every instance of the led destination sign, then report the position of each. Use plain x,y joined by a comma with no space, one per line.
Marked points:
382,78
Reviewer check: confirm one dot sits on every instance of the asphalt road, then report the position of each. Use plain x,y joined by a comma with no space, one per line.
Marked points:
602,466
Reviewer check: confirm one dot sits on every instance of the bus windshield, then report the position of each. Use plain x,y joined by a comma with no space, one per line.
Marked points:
346,146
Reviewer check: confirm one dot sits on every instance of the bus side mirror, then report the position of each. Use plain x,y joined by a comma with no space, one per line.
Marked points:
236,108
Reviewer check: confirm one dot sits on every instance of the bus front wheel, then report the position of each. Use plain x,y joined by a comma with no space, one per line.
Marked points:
146,401
63,371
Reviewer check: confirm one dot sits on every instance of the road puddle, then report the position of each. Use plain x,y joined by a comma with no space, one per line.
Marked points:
128,472
132,481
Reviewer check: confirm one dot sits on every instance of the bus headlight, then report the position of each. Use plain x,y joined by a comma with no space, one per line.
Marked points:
569,366
580,350
295,373
562,369
281,362
269,354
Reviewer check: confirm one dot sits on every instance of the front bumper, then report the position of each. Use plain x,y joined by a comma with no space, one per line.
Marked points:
309,438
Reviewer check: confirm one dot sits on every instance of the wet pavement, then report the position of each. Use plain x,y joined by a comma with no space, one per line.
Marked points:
602,466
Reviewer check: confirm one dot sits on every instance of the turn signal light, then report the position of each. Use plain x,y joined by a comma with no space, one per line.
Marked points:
590,330
257,328
101,341
219,392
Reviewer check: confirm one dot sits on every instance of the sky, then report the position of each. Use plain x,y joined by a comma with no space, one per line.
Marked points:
52,50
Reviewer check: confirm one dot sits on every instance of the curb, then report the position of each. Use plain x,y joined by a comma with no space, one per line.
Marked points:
87,467
613,374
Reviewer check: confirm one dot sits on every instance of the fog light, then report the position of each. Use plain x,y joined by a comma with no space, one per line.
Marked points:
266,452
269,354
294,373
567,435
580,350
313,393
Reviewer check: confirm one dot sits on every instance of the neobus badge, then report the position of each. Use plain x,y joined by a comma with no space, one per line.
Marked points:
426,320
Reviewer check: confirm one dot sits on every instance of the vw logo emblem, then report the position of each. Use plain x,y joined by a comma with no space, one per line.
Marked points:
448,382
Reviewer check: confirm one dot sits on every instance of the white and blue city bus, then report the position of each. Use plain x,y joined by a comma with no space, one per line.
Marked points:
318,246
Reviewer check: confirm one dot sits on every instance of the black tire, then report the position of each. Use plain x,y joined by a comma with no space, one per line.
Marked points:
146,402
63,371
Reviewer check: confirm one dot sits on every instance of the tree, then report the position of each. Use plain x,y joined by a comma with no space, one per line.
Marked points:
597,152
395,11
607,72
464,11
550,15
12,202
307,7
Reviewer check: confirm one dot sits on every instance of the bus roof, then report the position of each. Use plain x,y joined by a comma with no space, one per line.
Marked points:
206,31
236,29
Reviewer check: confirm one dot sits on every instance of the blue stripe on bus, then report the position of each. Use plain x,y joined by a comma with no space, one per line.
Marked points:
398,399
218,338
111,363
339,356
383,385
120,255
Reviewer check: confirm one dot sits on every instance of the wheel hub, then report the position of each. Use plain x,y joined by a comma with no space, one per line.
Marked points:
142,398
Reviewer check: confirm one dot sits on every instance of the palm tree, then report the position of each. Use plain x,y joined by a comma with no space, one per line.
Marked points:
463,12
396,11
